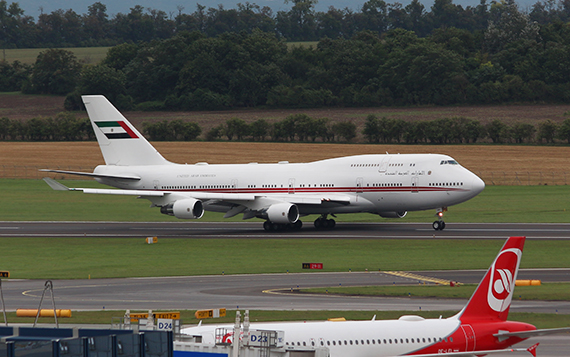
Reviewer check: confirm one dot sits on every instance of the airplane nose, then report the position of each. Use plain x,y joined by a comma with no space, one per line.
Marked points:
477,185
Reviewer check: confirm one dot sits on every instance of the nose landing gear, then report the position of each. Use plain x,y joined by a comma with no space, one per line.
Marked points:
439,225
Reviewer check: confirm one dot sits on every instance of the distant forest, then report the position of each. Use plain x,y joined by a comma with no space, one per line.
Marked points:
66,28
220,58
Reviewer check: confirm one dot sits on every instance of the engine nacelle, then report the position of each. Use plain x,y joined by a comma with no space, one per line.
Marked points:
393,214
188,208
283,213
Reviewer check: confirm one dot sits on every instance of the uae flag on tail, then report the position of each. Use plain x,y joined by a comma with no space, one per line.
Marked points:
116,130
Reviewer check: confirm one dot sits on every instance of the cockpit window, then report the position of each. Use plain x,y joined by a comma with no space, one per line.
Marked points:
448,162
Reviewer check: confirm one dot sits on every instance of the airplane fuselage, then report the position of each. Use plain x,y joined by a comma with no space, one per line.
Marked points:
372,183
407,336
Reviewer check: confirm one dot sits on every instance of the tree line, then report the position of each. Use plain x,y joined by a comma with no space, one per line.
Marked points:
514,59
66,126
66,28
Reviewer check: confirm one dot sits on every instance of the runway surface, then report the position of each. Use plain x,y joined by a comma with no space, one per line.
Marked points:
198,229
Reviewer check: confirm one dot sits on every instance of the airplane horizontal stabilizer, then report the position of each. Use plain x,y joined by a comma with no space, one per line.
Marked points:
533,333
92,174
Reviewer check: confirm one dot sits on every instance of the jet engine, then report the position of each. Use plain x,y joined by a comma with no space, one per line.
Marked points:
283,213
188,208
393,214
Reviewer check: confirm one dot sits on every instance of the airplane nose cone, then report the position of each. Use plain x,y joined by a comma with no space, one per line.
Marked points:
477,185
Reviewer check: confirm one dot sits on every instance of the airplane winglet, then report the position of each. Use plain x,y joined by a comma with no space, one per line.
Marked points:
56,185
532,349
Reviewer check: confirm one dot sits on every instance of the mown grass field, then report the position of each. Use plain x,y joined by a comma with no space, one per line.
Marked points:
546,291
87,55
83,258
187,317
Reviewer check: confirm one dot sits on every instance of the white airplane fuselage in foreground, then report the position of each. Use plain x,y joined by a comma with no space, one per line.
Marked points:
480,328
387,185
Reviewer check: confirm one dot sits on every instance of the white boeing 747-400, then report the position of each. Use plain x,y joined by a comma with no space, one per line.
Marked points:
480,329
280,193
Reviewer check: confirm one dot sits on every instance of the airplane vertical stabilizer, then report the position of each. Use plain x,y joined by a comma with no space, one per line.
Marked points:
120,142
492,299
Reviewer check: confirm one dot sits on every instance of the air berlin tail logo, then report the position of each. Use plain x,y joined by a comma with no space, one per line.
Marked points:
502,280
116,130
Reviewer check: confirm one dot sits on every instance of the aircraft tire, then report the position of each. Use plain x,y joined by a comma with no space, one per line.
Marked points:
330,223
268,226
318,223
297,225
438,225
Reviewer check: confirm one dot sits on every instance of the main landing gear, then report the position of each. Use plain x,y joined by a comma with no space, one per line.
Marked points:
439,225
273,227
323,223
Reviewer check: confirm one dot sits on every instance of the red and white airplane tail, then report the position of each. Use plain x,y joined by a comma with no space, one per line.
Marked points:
492,299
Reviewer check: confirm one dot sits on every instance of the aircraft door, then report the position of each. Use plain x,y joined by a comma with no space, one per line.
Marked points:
291,188
359,182
234,184
470,341
384,164
415,182
156,184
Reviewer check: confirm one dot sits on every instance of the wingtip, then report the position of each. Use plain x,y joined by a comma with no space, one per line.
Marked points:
532,349
55,185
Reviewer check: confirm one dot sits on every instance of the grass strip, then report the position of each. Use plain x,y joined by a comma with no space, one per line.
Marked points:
187,317
82,258
546,291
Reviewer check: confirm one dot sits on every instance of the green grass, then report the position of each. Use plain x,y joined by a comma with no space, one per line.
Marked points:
89,55
187,317
81,258
514,204
546,291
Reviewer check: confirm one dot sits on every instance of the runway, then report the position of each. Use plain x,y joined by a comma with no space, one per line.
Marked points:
198,229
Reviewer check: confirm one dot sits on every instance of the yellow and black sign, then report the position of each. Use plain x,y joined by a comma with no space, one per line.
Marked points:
4,274
172,315
208,314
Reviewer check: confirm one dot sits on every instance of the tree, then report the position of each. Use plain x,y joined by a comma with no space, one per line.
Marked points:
344,129
236,127
259,129
497,131
522,132
55,72
104,80
547,131
372,129
564,130
507,25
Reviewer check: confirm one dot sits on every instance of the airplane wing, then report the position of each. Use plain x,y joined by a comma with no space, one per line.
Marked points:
231,203
531,350
92,174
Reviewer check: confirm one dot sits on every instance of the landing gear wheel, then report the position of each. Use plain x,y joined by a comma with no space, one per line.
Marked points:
438,225
268,226
323,223
297,225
